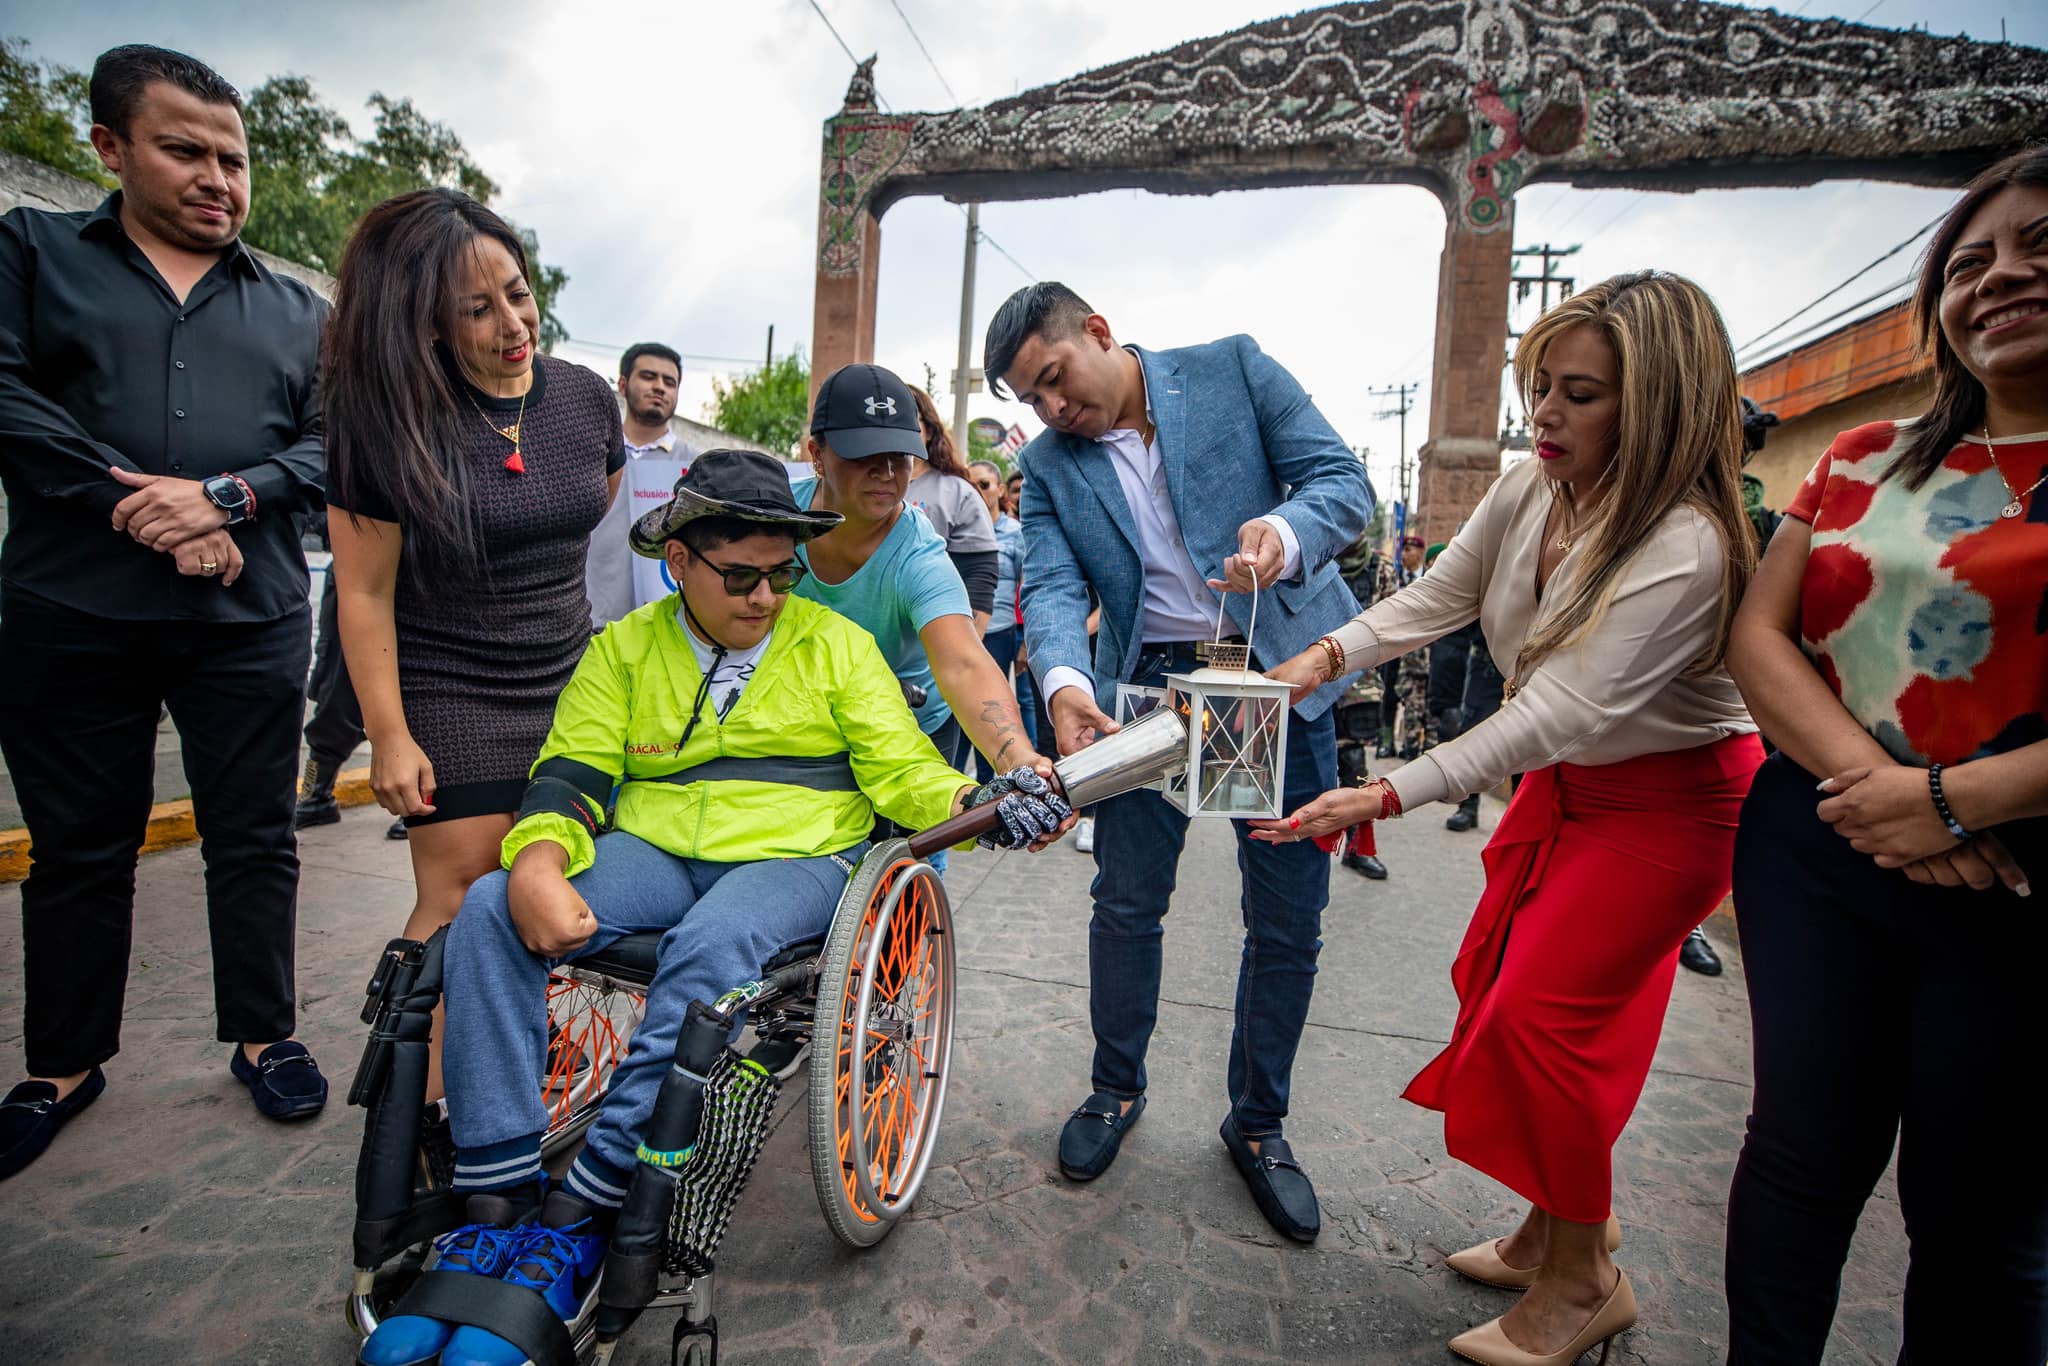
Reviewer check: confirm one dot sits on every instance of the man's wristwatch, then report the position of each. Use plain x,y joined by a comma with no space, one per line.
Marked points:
230,495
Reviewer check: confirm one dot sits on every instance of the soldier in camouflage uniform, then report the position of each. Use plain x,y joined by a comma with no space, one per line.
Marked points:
1406,679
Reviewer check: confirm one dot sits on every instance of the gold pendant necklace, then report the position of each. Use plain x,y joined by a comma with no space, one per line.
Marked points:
513,462
2018,503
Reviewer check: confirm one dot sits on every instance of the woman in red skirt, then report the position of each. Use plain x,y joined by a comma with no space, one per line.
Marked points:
1608,570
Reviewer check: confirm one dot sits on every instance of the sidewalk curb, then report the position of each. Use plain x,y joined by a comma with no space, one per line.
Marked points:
171,824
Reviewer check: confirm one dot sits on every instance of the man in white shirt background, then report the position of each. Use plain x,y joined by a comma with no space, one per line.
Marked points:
650,377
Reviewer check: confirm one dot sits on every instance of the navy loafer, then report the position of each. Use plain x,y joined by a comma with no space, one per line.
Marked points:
31,1116
1278,1185
1093,1133
284,1081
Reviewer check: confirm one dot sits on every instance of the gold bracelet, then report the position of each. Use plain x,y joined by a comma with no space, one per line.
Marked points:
1335,654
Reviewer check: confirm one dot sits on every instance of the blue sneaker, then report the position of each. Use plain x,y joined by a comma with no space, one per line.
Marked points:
561,1264
484,1248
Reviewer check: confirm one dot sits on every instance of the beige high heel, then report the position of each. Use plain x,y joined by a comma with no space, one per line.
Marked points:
1482,1262
1489,1344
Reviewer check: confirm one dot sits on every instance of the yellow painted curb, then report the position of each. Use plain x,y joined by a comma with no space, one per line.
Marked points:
170,825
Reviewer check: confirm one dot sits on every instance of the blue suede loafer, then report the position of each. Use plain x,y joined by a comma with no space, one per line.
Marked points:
31,1116
1278,1185
1093,1133
284,1081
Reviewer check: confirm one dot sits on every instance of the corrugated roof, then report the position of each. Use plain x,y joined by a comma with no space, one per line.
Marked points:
1867,354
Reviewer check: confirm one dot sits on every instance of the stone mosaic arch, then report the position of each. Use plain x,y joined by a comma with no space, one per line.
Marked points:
1471,99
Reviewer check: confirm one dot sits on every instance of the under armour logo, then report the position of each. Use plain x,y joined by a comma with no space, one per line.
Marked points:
878,406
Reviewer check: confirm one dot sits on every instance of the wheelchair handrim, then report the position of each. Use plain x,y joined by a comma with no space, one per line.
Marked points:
927,968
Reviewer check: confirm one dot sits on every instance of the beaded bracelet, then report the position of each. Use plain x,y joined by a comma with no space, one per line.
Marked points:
1335,654
1948,817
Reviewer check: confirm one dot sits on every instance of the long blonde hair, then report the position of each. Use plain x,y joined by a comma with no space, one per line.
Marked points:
1679,442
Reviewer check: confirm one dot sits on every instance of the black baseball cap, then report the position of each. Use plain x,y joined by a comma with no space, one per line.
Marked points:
864,410
744,484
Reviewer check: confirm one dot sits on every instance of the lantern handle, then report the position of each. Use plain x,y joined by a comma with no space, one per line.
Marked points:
1250,631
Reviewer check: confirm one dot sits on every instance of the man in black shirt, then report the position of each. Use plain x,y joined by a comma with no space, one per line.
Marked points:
159,429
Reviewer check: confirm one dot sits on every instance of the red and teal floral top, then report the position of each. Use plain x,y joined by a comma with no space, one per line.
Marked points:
1925,609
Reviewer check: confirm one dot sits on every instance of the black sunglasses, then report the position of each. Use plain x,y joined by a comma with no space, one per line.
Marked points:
984,483
740,579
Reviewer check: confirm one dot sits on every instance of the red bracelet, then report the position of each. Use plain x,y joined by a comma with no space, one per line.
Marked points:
1390,800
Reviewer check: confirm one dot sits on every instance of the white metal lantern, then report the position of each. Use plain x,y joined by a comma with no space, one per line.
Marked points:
1236,735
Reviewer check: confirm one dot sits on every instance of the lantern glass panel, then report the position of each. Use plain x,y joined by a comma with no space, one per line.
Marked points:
1237,742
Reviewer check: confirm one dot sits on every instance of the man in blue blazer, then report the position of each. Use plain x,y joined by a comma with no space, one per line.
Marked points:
1164,477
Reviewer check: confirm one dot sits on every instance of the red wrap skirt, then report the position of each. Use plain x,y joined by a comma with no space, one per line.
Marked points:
1593,879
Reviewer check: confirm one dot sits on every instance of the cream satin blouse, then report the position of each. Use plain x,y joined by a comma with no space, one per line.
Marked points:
1615,693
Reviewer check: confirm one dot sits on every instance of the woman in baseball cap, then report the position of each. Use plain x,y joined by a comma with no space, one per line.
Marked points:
886,568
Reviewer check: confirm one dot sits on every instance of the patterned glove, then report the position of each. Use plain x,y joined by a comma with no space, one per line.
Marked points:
1027,809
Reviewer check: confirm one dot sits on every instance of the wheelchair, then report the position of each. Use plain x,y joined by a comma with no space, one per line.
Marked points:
867,1010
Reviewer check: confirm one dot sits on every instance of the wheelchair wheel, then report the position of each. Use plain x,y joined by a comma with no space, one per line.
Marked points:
589,1024
884,1037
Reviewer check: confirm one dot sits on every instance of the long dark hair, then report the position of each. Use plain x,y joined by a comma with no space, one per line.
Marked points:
393,415
939,451
1958,403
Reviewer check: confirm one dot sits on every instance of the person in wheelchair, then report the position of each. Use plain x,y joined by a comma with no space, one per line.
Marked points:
751,738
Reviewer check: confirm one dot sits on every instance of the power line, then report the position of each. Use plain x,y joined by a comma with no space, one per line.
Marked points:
928,54
1846,283
824,19
1799,338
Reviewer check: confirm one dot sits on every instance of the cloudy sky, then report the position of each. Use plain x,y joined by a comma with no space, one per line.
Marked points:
668,156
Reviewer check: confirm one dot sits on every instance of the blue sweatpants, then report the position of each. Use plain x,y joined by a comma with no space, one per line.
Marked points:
721,922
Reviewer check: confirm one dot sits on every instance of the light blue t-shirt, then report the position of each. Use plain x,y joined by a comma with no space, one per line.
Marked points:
905,585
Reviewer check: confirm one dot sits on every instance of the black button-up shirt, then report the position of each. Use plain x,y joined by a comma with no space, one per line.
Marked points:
101,365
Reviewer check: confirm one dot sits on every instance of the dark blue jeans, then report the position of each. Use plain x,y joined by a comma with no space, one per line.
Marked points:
1138,841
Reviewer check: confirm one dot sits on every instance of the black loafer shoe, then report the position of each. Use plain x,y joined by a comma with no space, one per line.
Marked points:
1696,953
1367,864
1278,1184
1093,1133
284,1082
31,1116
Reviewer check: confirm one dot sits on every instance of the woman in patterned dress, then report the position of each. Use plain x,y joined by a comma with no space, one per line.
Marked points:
1895,647
465,475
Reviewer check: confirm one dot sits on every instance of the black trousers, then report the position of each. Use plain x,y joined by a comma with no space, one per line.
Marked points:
79,698
337,724
1883,1008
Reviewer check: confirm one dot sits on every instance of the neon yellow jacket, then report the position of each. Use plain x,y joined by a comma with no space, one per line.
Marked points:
821,689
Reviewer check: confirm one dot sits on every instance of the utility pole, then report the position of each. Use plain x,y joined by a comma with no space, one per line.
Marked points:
1402,405
769,364
963,374
1544,282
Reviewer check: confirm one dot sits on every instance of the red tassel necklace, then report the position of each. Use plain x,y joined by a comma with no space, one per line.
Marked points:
513,463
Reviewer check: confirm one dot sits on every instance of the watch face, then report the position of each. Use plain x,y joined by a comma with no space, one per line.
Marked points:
225,493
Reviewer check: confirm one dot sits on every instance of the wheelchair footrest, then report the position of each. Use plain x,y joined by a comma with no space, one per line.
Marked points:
513,1312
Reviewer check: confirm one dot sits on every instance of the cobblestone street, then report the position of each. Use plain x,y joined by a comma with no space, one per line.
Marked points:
170,1224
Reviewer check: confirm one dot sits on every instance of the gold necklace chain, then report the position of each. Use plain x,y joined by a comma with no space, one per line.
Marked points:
510,433
2019,496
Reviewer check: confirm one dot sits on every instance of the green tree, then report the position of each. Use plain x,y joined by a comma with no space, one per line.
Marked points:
771,405
314,180
297,148
44,113
980,447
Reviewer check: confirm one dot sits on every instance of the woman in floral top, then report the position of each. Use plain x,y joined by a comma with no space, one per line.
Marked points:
1894,645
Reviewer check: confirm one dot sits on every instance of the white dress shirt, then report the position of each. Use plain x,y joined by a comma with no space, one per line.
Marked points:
1178,603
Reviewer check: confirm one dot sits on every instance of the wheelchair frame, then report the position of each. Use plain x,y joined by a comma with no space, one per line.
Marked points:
880,987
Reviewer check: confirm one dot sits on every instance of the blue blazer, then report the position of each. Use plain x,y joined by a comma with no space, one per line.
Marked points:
1240,438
